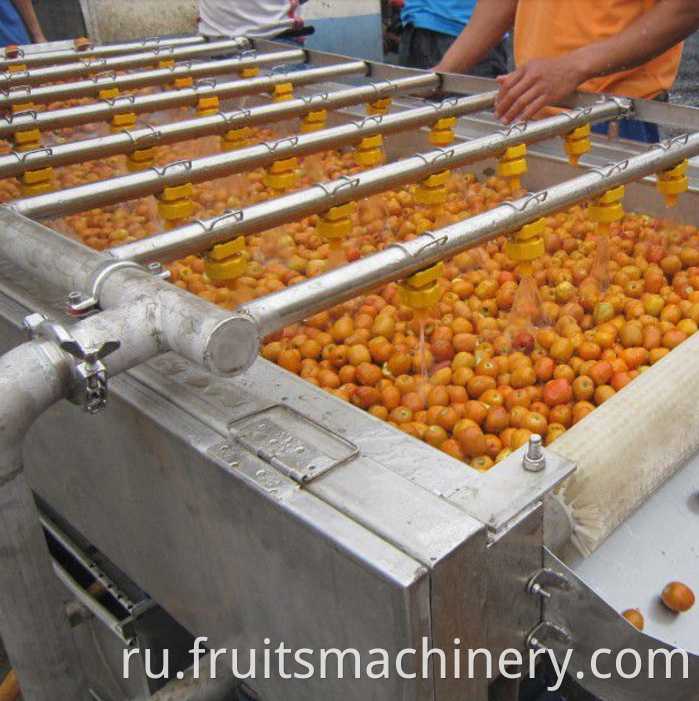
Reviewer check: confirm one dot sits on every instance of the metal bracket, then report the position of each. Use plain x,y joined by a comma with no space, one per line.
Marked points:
544,580
311,100
209,225
80,304
89,389
547,632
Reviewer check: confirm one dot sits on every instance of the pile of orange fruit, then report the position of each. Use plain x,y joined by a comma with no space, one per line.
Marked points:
475,388
488,389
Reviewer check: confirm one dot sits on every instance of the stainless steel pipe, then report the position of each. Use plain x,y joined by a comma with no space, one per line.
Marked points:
23,94
14,163
155,179
121,63
148,317
47,58
186,97
200,236
399,260
206,335
33,623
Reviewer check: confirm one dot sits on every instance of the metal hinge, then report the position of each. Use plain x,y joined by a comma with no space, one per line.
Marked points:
89,390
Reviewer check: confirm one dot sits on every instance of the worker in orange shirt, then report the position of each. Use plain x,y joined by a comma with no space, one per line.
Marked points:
626,47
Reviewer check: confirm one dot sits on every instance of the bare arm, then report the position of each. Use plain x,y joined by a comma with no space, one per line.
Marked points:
491,20
31,22
542,82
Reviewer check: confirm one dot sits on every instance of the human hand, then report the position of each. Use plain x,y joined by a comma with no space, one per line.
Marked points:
540,82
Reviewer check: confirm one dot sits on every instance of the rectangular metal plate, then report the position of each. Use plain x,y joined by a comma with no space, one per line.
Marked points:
292,443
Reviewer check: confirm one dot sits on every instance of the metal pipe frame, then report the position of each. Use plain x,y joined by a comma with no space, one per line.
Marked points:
48,58
186,97
189,325
155,179
686,119
671,116
399,260
121,63
35,627
22,94
199,236
148,317
128,141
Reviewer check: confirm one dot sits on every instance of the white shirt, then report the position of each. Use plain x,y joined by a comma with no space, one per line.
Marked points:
263,19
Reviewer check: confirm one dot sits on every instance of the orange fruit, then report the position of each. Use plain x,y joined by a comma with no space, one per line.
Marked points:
678,597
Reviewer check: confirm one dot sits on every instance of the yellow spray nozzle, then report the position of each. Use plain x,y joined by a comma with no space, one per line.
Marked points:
235,138
166,63
673,182
513,164
226,261
314,121
23,107
577,143
175,203
27,140
250,72
283,92
122,122
608,208
527,244
432,190
36,182
108,93
281,175
379,106
421,290
207,106
370,151
141,159
442,131
336,223
82,44
183,82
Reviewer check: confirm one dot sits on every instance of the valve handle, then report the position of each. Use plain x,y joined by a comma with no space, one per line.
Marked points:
90,355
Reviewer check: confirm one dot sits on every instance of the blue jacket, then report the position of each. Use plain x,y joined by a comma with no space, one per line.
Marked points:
12,29
446,16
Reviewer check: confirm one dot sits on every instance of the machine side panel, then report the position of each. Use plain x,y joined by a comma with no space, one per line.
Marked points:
230,558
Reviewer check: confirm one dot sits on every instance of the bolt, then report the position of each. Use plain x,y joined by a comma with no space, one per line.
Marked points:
534,460
156,269
533,643
538,590
76,303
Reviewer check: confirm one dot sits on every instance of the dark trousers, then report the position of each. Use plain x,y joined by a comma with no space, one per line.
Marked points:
424,49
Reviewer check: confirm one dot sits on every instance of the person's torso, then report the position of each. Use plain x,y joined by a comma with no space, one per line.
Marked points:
546,29
252,18
446,16
12,30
